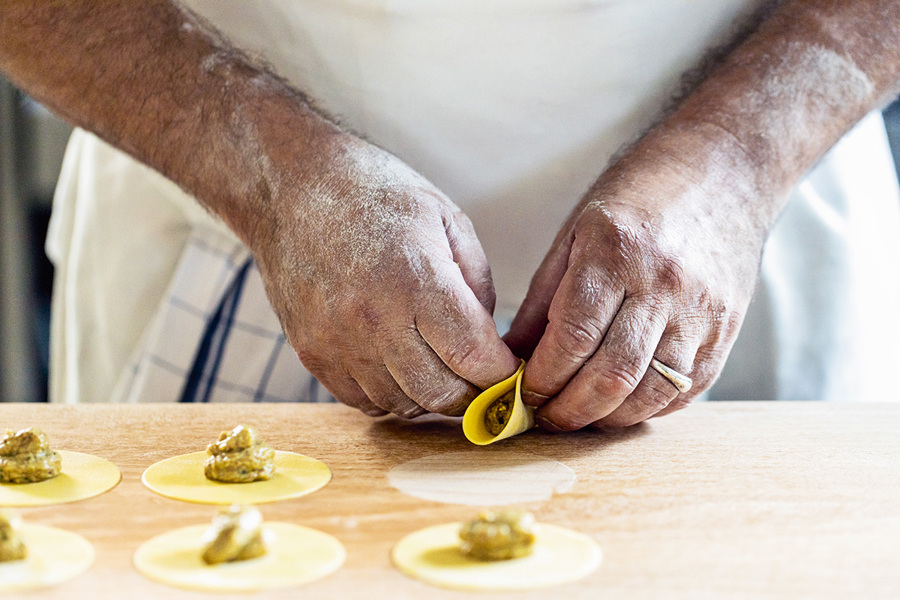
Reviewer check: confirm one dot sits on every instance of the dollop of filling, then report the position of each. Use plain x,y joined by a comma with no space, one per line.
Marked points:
26,457
235,534
496,417
11,546
239,457
498,535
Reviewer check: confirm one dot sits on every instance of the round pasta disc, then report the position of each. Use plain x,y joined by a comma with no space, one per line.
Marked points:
83,476
181,478
295,555
54,556
432,555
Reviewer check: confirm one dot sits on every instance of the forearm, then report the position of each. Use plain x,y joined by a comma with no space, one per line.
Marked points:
151,79
661,257
799,83
779,101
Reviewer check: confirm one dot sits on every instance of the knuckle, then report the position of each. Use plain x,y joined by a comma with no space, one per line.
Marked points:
462,220
670,274
617,378
447,400
465,355
356,400
708,364
410,412
599,227
320,367
650,402
589,285
679,403
487,295
569,420
579,335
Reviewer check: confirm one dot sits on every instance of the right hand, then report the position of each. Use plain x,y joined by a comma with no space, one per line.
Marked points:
381,285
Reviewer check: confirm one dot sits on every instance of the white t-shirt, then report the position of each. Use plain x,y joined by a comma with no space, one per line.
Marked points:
512,108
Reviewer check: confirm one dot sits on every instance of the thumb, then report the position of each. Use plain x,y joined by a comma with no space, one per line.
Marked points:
471,259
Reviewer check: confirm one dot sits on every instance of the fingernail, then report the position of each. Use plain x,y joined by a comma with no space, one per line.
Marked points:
546,425
533,398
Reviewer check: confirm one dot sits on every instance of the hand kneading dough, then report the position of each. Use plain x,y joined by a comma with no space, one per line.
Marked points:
182,478
295,555
83,476
54,556
559,556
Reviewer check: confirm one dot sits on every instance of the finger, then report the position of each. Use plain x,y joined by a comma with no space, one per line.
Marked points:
654,393
612,373
680,402
424,377
579,316
348,392
708,362
531,319
379,385
469,255
463,334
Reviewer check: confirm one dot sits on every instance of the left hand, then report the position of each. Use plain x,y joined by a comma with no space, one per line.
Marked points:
659,259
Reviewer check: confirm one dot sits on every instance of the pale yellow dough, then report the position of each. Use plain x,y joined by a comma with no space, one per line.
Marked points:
83,476
54,556
295,555
181,478
432,555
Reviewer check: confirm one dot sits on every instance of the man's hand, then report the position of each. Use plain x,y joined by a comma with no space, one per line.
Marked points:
378,279
382,286
658,260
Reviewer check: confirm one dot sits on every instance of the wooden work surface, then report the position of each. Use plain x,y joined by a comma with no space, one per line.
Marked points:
736,500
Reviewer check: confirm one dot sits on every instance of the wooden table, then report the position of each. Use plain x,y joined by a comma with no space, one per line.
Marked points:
737,500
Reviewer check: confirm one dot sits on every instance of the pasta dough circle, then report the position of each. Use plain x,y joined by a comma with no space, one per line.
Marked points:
54,556
83,476
181,478
559,556
296,555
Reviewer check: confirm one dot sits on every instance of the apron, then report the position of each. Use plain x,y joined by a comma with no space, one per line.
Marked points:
511,107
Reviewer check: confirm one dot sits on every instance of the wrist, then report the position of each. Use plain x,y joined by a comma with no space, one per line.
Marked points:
688,165
266,147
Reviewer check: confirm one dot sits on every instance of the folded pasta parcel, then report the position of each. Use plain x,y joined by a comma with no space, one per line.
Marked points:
498,412
26,457
239,456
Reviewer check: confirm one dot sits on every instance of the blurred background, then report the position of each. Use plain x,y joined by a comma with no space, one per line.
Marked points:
32,142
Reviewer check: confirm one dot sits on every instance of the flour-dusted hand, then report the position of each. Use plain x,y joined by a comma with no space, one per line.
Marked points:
381,285
378,279
661,256
656,261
